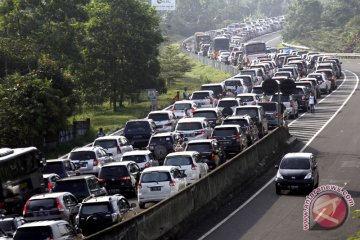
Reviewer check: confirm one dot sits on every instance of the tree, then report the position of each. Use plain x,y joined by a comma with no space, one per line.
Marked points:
174,64
31,110
120,50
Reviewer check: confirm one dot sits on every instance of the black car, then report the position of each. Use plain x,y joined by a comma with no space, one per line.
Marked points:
161,144
297,171
247,125
9,224
230,137
139,131
209,150
301,94
101,212
120,177
213,115
62,167
81,187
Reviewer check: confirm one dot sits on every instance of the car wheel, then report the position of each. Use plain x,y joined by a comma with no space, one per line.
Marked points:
141,205
278,190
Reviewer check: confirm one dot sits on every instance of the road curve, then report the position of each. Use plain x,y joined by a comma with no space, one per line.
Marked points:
333,135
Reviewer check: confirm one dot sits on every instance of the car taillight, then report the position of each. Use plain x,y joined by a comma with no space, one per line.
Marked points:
102,180
193,166
172,183
192,110
139,185
59,206
95,162
199,133
125,178
147,165
213,157
237,138
25,206
118,149
49,187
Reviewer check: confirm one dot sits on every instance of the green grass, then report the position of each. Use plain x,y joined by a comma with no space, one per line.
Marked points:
103,116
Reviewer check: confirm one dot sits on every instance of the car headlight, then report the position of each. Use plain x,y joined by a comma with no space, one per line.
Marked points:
308,176
279,176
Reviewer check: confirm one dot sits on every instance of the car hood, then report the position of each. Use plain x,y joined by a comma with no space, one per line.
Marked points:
297,173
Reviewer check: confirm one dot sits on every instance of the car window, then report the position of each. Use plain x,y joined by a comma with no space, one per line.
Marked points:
159,116
241,122
268,107
82,155
295,163
155,177
91,208
113,171
54,167
123,141
199,95
224,132
106,143
77,187
70,200
206,114
161,140
188,126
178,161
228,103
182,106
246,98
137,126
247,111
42,204
135,158
176,173
33,233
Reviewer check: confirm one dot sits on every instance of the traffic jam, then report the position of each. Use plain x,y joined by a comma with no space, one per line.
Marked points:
156,157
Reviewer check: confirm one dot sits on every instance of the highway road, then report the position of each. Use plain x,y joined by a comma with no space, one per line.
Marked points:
332,133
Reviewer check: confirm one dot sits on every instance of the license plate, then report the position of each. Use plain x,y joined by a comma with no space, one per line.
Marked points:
225,142
114,190
294,187
155,188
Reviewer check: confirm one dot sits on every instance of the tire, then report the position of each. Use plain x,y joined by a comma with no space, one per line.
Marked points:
278,190
141,205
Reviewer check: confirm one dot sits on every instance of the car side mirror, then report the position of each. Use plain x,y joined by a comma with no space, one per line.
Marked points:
277,166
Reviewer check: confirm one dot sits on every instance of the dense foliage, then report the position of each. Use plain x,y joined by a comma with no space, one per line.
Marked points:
56,54
327,25
200,15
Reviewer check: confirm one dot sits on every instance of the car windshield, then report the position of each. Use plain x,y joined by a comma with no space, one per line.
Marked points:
77,187
155,177
206,114
246,98
233,83
91,208
111,143
268,107
140,126
228,103
182,106
177,161
216,89
33,233
318,77
159,116
251,73
286,74
200,95
257,90
284,98
135,158
42,204
295,163
188,126
7,225
53,167
224,132
82,155
113,172
161,140
241,122
243,111
199,147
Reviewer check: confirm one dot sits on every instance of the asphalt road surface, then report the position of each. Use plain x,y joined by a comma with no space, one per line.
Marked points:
332,133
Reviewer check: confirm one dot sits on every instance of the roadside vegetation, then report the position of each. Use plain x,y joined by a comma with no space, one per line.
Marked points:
324,25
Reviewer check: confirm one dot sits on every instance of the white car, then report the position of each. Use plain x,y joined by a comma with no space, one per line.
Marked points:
143,158
193,128
159,183
165,121
229,102
325,85
180,107
203,99
248,98
116,145
189,161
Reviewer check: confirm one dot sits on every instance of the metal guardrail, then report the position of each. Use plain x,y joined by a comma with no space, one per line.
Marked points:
339,55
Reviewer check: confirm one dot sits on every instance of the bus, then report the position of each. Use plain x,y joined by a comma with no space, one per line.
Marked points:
20,176
253,50
219,43
201,38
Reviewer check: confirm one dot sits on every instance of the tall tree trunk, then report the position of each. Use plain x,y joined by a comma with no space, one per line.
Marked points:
121,100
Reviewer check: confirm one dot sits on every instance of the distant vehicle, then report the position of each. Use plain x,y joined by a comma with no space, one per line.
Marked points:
165,121
248,98
139,131
218,88
297,171
158,183
219,43
143,158
203,99
194,128
101,212
62,167
213,115
9,224
180,107
246,124
230,137
50,181
54,230
51,206
200,39
21,177
253,50
272,114
116,145
291,104
257,114
160,145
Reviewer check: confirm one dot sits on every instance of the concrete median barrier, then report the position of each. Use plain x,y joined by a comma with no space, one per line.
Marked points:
172,216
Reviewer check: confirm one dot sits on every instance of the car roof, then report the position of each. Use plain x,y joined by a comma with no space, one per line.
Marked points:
246,94
102,199
238,117
48,195
228,99
122,163
42,223
140,120
227,126
108,138
181,153
80,149
57,160
137,152
160,112
204,91
200,141
298,155
76,178
194,119
164,134
206,109
213,84
47,175
184,101
249,106
158,168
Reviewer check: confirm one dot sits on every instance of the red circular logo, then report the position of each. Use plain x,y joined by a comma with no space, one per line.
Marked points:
329,210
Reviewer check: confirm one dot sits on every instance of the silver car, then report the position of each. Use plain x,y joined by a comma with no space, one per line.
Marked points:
194,128
165,121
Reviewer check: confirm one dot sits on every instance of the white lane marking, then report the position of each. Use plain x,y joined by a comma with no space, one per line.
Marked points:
272,179
273,39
